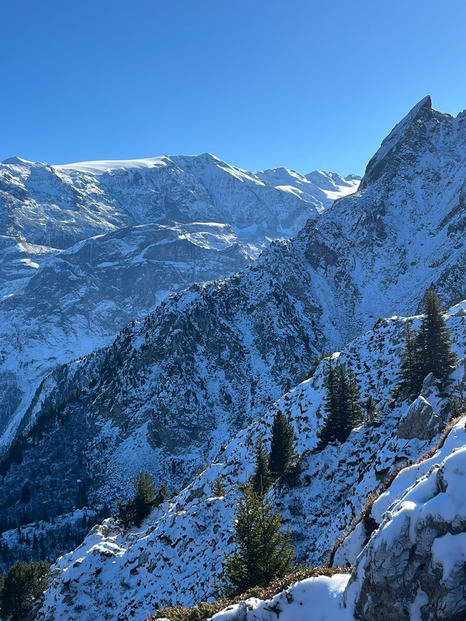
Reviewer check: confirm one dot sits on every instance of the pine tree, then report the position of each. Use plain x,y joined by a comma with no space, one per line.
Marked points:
40,577
281,445
428,350
219,488
144,496
455,408
349,409
411,375
24,583
263,552
260,480
434,341
329,431
371,409
137,508
342,405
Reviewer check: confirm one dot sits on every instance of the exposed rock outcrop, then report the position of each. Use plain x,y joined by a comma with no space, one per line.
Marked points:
420,421
415,564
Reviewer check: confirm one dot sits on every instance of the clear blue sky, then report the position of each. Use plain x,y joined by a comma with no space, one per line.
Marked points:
259,83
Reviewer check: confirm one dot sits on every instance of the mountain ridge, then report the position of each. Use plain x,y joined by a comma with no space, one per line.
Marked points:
56,221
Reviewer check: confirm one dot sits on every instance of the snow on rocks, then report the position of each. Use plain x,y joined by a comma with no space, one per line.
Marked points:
420,545
319,599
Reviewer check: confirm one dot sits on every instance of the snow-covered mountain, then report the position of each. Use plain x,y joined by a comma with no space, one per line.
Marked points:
175,387
177,555
87,248
58,206
80,298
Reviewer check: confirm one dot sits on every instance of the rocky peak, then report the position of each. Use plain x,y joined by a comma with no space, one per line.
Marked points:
407,141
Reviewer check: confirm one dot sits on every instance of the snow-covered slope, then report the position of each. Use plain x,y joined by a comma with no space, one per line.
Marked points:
80,298
86,248
412,569
177,556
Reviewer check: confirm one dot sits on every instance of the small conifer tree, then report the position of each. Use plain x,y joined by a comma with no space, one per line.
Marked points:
260,480
342,405
263,551
137,508
434,341
371,409
428,350
219,487
411,379
144,496
281,445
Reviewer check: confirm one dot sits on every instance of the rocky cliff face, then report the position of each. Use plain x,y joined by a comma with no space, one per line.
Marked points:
414,565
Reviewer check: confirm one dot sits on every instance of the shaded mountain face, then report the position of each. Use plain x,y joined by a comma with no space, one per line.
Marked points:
87,248
176,386
81,297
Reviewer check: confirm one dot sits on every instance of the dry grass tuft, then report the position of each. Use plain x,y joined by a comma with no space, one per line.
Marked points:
205,610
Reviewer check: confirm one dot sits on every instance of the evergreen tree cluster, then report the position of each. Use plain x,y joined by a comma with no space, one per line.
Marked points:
263,551
145,498
21,588
342,404
428,350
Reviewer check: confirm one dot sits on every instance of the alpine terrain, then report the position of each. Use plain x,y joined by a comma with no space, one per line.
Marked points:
181,373
87,248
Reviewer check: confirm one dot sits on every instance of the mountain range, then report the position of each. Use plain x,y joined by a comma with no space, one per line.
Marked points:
87,248
194,378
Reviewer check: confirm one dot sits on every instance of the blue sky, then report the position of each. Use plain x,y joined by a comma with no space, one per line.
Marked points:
260,84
